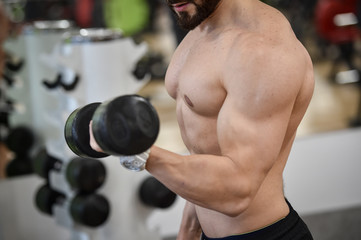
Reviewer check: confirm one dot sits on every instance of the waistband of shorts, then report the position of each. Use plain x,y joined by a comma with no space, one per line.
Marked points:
276,229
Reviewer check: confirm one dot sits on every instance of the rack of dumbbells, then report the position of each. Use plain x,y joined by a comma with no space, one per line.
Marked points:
69,193
19,139
70,184
87,194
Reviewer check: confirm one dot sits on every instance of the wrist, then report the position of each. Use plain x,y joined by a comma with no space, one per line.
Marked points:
135,163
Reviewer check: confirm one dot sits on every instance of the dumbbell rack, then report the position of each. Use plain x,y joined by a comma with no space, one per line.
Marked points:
51,55
99,81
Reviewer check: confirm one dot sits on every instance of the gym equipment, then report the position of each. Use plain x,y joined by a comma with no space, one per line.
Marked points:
331,18
13,63
90,210
13,66
154,194
337,22
8,79
152,64
58,82
45,198
77,132
130,16
47,54
19,167
84,10
43,163
7,106
20,140
84,175
126,125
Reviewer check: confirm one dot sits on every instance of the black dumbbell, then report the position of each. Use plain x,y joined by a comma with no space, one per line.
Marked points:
154,194
84,175
19,166
43,163
20,140
45,198
152,64
91,210
126,125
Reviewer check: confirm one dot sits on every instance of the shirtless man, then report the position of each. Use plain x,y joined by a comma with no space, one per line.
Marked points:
242,83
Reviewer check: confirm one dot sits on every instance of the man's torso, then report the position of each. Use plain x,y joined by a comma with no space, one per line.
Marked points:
195,80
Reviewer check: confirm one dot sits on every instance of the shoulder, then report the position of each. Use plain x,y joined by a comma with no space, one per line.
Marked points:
263,47
270,55
265,67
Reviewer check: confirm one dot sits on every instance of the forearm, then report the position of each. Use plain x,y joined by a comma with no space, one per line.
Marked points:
209,181
190,228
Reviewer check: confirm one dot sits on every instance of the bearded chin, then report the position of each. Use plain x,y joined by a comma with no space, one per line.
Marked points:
189,22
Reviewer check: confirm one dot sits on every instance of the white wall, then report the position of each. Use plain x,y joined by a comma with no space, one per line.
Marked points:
324,172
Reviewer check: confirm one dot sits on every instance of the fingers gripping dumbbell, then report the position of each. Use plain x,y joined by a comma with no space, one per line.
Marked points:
125,126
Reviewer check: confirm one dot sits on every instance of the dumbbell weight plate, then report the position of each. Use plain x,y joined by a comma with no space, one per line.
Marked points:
45,198
77,132
154,194
43,163
90,210
85,174
20,140
126,125
19,167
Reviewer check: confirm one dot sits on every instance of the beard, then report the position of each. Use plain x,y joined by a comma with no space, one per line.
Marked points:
203,11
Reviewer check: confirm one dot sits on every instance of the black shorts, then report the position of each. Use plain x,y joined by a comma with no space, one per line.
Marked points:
291,227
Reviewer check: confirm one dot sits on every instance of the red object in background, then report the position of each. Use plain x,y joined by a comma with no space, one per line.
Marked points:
83,13
326,11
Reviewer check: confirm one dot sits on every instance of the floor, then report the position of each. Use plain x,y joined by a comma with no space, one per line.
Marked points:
343,224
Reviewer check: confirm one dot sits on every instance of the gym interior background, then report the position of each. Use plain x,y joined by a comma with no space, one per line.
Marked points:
63,54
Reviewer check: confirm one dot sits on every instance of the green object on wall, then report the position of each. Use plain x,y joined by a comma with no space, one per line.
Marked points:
130,16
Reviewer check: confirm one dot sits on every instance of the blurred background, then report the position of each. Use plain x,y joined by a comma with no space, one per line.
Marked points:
56,56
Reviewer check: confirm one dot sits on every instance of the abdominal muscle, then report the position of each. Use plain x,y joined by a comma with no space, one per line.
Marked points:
267,207
199,134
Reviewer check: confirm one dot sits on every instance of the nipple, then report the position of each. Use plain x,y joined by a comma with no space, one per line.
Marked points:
188,101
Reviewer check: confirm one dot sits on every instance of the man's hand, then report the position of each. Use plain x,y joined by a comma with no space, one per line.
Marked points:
93,144
134,163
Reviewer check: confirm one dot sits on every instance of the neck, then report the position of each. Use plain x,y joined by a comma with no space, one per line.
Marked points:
228,12
215,19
